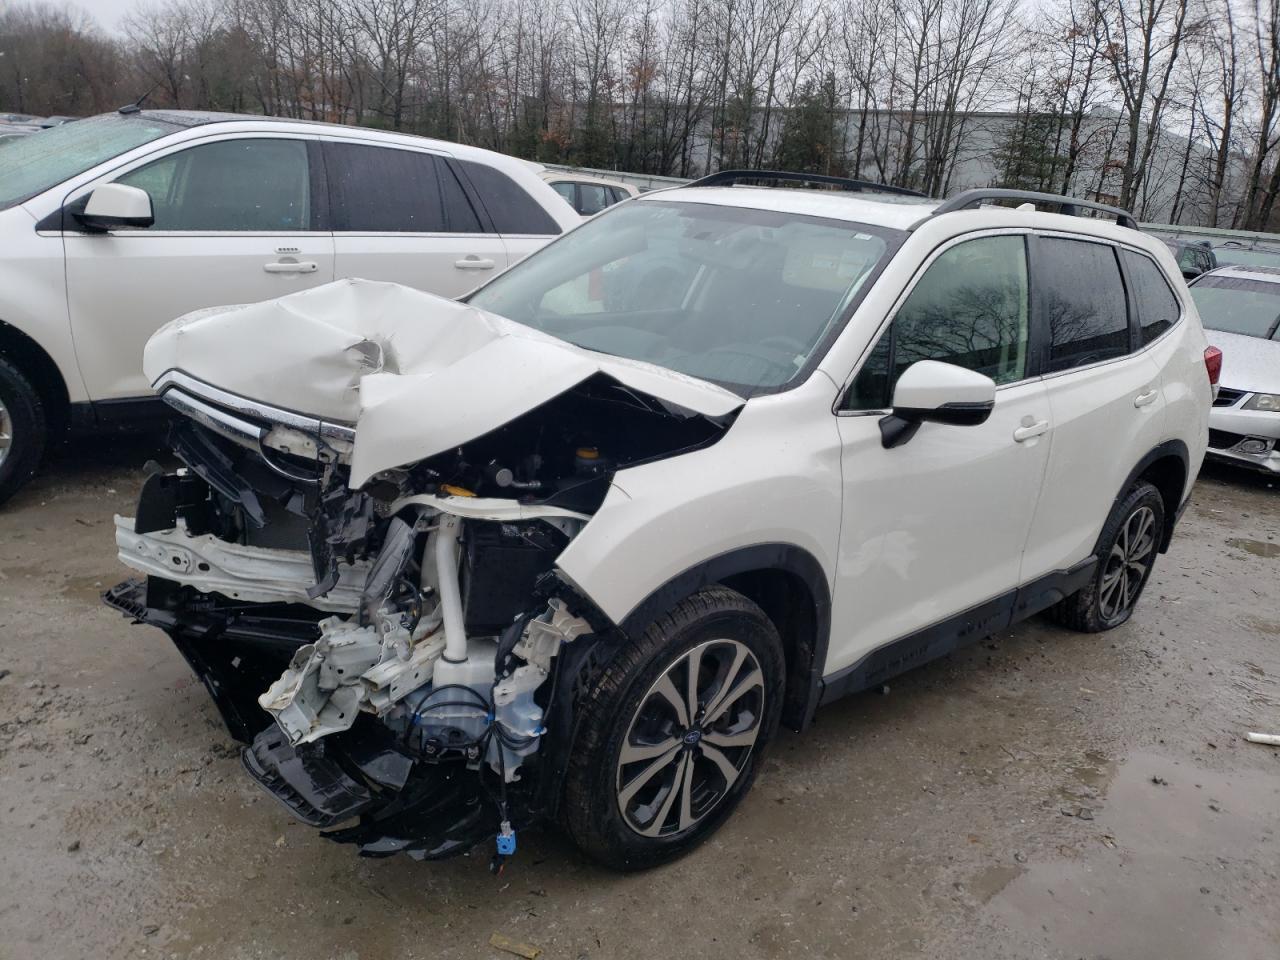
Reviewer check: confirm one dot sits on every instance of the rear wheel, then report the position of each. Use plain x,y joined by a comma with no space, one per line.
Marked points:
1127,553
23,430
672,731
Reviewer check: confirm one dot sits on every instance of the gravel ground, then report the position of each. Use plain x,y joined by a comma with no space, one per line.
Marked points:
1041,794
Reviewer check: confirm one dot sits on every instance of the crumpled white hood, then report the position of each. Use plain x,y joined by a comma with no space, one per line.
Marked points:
415,373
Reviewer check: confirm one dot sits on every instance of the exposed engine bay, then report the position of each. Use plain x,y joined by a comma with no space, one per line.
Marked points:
401,656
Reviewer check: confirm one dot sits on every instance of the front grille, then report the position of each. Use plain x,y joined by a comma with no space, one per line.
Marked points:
1223,439
1227,397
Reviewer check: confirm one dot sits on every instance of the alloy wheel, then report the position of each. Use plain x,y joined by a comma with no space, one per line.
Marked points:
1128,564
6,432
690,738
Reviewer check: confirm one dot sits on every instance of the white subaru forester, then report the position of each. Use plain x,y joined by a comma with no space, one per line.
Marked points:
571,551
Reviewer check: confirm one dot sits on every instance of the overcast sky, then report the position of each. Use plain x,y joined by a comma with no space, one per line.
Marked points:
106,12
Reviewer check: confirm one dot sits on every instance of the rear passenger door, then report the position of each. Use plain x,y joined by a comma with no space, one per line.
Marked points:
402,215
1104,393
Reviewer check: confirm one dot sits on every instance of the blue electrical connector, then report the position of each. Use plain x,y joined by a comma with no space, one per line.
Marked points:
506,839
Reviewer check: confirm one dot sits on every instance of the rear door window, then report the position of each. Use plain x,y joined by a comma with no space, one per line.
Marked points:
375,189
595,197
1158,308
382,190
1083,301
245,185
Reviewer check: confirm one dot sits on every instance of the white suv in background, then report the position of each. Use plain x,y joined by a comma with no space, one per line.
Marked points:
587,194
114,225
571,550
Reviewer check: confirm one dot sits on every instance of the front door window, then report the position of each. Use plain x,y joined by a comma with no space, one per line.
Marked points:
260,186
970,308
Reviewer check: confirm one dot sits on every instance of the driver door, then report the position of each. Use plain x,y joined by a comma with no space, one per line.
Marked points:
933,531
235,223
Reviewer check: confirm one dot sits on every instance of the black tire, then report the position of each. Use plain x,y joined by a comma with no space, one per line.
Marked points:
1092,608
712,625
23,420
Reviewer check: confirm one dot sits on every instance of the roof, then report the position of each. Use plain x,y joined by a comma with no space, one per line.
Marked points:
196,118
1246,272
200,118
559,176
886,210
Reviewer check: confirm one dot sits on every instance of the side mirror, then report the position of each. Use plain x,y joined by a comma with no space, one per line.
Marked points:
115,205
940,392
1190,273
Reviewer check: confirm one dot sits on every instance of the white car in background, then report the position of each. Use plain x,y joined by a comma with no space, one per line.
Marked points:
1240,307
587,194
114,225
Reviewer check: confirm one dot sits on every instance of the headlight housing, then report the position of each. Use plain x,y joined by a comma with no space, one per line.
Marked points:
1267,402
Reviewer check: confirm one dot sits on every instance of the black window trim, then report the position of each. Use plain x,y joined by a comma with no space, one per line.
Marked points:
473,195
886,325
1037,346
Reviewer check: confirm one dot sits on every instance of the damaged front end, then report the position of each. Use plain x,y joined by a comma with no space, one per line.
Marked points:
400,659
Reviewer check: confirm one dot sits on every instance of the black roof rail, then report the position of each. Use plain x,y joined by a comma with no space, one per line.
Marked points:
726,178
1068,206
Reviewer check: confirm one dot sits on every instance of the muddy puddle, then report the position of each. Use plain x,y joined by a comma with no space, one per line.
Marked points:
1174,850
1259,548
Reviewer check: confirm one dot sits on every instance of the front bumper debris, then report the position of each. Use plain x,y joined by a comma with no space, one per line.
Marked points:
401,658
400,807
313,787
241,572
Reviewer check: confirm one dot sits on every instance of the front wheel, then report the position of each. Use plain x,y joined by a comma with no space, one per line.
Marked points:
672,731
23,429
1126,555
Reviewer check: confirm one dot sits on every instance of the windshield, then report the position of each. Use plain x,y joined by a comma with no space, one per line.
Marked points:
32,164
1237,305
743,298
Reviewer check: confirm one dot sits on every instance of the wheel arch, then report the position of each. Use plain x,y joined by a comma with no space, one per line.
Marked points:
1167,467
790,585
40,369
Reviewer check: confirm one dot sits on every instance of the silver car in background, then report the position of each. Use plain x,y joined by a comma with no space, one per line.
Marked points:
1240,308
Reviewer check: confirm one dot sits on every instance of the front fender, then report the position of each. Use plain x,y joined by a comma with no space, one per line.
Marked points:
33,294
773,482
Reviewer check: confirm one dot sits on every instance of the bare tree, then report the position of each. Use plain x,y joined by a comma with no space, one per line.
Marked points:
1143,39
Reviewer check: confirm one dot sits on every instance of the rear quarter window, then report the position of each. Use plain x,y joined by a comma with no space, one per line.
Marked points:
1158,307
509,207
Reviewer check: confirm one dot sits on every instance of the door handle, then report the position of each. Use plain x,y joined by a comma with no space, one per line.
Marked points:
286,266
1143,399
1029,430
474,263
